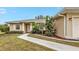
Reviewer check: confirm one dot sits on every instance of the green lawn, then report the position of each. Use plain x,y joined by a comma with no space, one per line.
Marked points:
55,40
10,42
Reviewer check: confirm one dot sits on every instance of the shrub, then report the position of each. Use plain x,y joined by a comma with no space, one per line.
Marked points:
14,32
36,29
4,28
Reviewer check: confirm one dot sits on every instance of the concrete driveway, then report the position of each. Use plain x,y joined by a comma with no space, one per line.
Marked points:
49,44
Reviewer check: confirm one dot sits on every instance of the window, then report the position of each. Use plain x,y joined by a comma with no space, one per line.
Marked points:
17,26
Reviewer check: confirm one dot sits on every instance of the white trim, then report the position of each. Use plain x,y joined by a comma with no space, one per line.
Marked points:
65,25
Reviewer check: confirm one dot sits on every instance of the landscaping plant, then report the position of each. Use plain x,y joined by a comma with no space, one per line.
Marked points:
47,29
49,26
4,28
36,28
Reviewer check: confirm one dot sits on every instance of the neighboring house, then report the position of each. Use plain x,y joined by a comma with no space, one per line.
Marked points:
67,23
24,25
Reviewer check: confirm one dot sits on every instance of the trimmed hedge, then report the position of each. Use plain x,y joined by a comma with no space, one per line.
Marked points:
14,32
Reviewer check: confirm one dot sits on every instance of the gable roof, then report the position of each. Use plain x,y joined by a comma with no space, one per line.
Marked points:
28,21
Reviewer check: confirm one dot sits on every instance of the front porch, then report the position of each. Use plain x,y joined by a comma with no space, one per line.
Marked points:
26,27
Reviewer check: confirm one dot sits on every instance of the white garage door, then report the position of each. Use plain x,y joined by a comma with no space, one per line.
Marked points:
75,27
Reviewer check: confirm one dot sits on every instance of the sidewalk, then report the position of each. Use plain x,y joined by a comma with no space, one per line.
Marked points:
49,44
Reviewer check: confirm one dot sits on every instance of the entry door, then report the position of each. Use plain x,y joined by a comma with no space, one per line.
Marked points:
27,28
75,27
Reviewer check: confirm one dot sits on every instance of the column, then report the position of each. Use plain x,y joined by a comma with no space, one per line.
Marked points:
65,25
23,28
30,27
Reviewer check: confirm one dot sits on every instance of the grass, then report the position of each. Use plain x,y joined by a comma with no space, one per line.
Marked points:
10,42
54,40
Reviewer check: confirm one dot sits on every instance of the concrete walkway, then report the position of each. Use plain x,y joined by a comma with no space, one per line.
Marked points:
49,44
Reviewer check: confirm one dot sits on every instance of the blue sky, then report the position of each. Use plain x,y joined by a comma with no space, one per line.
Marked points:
21,13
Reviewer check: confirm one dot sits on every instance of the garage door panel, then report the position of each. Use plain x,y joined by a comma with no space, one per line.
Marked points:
75,27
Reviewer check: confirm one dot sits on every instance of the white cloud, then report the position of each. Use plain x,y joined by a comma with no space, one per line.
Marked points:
2,11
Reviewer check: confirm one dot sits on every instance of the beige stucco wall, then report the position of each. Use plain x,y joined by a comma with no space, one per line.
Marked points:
13,27
25,27
59,24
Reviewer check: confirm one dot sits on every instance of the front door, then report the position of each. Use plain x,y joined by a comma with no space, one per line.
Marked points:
27,27
75,27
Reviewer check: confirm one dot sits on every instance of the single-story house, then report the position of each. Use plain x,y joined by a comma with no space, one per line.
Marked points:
24,25
67,23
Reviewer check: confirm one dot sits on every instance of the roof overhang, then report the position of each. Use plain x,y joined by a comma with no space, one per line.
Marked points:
27,21
67,10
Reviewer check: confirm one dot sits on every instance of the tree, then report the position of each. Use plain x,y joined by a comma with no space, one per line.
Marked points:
50,29
39,17
4,28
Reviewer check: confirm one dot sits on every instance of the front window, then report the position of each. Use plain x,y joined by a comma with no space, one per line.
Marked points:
17,26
